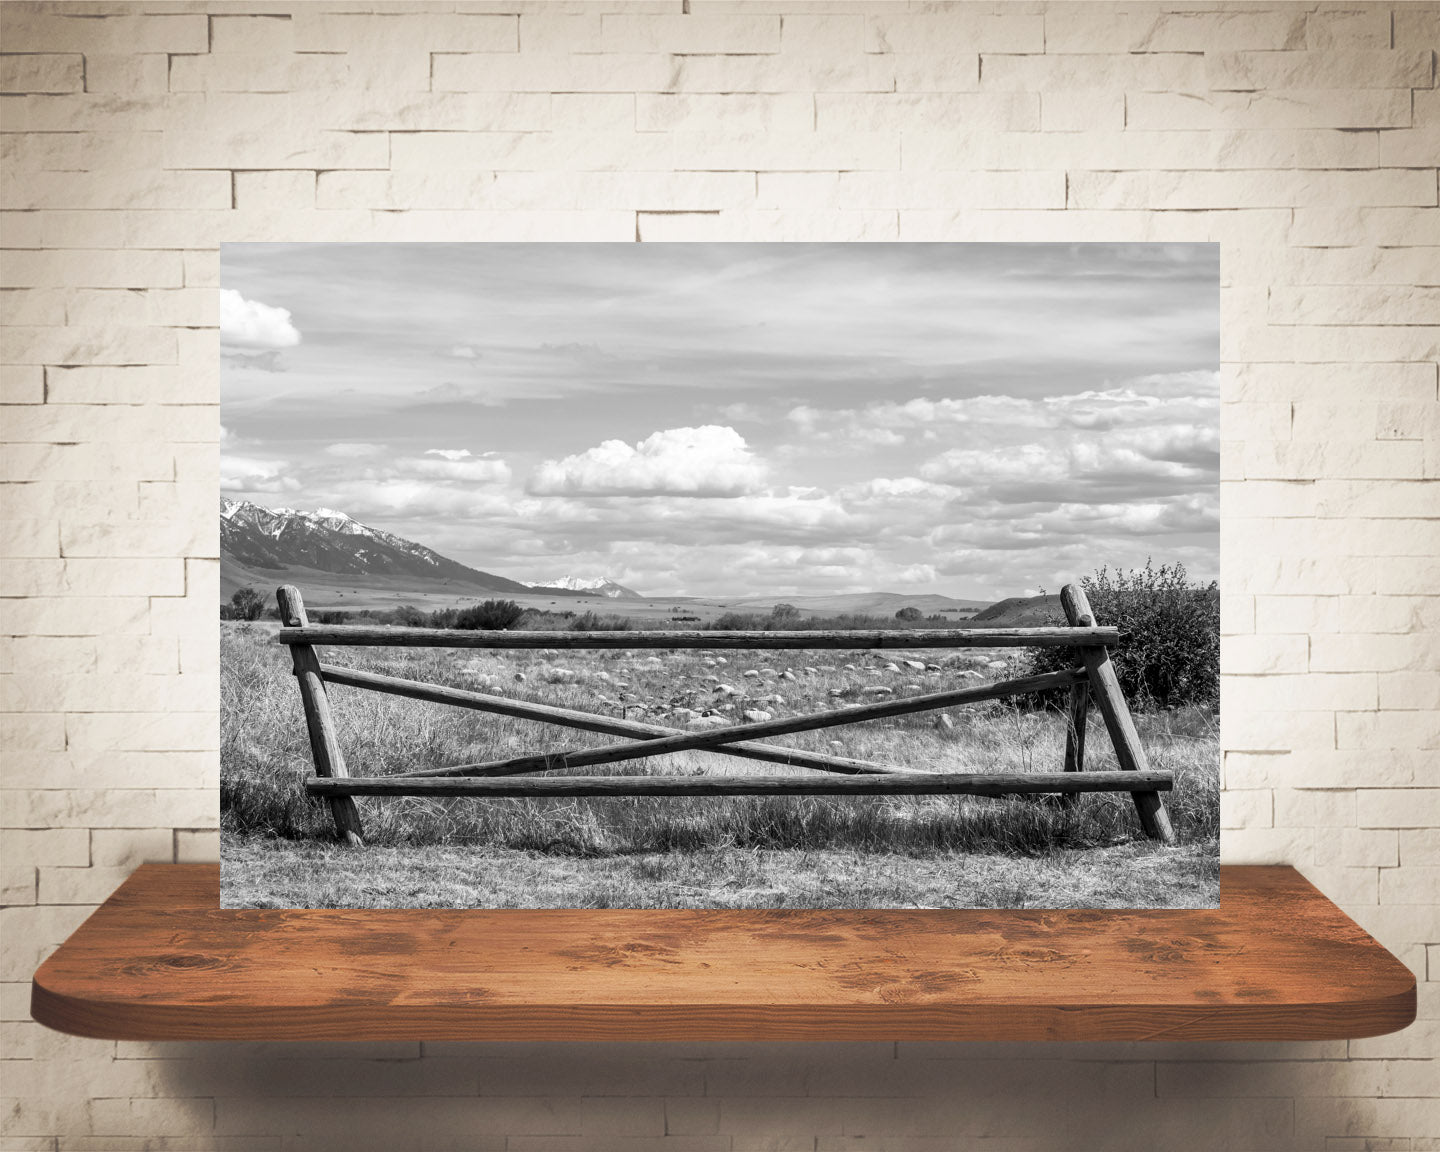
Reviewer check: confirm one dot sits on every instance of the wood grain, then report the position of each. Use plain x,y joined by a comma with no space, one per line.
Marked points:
1276,961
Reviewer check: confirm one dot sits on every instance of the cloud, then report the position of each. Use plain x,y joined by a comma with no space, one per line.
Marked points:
251,324
457,464
464,352
250,474
709,461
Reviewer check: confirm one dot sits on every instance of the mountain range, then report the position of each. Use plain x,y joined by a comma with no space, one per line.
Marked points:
265,546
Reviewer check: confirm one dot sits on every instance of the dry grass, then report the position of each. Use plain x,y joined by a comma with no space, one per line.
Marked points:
705,852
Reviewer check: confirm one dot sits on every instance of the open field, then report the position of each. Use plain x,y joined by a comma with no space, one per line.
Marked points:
697,852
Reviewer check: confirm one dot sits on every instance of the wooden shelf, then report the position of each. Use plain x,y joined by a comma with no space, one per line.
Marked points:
1277,961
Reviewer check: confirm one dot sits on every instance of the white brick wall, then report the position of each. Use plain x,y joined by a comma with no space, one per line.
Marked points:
1302,137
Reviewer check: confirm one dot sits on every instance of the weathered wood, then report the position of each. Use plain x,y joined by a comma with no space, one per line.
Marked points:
712,738
899,784
351,634
324,747
1075,717
160,960
588,721
1105,686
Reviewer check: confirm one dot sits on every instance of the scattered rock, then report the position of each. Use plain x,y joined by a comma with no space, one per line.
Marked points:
755,715
768,673
706,722
708,662
787,675
893,667
915,665
726,690
849,667
721,660
997,665
751,674
877,690
969,674
944,723
519,677
932,667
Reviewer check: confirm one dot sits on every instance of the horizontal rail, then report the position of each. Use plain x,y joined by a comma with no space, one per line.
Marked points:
348,634
711,738
587,721
900,784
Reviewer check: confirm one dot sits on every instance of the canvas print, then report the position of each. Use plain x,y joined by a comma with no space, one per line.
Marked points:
719,575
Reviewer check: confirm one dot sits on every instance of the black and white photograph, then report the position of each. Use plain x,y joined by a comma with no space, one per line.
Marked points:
720,575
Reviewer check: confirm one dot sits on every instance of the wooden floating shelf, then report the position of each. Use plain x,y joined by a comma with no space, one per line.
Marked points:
1277,961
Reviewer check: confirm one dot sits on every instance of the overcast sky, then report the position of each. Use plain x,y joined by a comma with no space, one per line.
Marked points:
978,420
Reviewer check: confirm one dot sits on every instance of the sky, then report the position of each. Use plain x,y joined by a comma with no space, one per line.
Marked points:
974,420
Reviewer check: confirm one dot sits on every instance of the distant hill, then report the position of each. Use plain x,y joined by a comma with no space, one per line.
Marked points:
270,546
1021,612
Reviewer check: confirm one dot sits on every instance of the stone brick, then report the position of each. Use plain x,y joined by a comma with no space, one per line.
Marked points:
1294,108
42,72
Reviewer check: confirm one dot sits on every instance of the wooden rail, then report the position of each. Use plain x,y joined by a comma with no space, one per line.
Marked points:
818,639
845,776
896,784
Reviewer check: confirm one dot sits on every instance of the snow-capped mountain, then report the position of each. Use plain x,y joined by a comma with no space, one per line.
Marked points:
277,539
600,585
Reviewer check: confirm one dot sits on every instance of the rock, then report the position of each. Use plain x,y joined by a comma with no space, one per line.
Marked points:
519,677
915,665
708,662
710,679
969,674
892,668
605,676
721,660
997,665
727,708
787,675
707,722
726,690
849,667
768,673
684,715
755,715
877,690
944,723
932,667
751,674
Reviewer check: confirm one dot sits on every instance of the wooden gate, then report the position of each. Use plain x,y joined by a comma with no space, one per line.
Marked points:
842,776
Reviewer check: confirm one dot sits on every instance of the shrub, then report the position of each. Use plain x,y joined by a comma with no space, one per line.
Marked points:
1169,651
908,614
785,614
246,604
491,615
590,622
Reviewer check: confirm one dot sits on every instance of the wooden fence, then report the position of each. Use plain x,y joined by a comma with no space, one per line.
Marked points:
844,776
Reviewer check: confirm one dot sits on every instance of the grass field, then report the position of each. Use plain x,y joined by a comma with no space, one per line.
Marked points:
278,848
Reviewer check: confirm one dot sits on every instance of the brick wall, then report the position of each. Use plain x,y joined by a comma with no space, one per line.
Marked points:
1302,137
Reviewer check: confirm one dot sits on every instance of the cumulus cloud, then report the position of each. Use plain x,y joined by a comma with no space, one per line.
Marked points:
251,324
464,352
251,474
711,461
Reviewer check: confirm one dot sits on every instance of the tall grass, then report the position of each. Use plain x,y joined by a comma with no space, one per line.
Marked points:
265,756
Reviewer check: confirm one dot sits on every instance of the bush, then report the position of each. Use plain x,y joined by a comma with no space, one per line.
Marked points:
908,614
490,615
1169,651
590,622
246,604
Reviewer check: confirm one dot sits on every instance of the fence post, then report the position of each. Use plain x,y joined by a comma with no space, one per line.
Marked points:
324,747
1111,701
